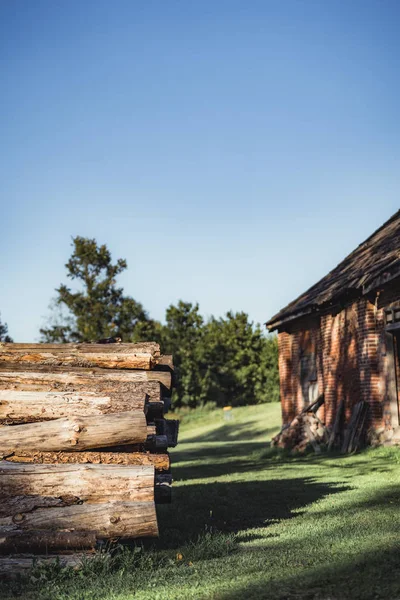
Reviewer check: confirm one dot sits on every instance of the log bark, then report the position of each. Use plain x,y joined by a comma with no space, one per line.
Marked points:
337,425
75,433
14,566
46,541
151,429
154,443
127,520
160,462
164,361
108,356
72,378
27,487
152,348
28,406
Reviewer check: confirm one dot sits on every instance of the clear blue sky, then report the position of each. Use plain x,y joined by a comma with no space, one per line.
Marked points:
232,152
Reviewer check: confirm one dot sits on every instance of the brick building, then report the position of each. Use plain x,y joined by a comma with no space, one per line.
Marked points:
341,338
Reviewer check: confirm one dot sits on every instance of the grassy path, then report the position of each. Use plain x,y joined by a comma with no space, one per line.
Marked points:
313,527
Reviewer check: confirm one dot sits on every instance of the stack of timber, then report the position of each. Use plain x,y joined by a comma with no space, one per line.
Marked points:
305,431
83,444
355,433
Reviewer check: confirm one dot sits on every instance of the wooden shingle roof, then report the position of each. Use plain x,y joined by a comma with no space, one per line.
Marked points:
372,263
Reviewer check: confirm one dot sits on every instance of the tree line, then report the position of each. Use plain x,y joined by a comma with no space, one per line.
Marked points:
224,361
4,337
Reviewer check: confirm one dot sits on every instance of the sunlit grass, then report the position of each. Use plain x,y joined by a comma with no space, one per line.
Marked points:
248,522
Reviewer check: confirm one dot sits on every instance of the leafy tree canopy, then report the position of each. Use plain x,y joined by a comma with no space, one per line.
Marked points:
98,308
225,361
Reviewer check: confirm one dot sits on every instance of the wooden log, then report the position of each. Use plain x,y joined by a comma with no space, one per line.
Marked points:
169,428
46,541
69,378
154,443
27,406
157,443
357,426
14,566
151,429
154,410
152,348
314,406
106,361
160,462
351,427
359,435
75,433
163,362
311,438
335,433
27,487
111,356
127,520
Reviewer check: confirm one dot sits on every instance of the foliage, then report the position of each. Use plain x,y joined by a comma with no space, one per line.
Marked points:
219,361
99,309
235,362
182,337
226,361
4,337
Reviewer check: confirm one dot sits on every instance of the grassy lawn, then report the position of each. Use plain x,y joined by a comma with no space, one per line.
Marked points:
316,527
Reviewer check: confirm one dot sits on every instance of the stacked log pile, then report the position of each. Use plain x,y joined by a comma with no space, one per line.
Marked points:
83,444
355,434
305,431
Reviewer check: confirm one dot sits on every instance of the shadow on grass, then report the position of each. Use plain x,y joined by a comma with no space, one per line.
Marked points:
213,451
373,575
216,461
235,506
230,432
240,457
321,568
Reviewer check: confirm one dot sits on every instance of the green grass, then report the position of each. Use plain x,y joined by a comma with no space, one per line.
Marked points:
249,523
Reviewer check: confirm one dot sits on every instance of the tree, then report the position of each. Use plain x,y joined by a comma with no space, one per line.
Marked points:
4,337
181,336
267,383
232,361
226,361
99,308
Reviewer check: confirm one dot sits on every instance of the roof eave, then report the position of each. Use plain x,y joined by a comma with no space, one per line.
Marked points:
274,324
380,280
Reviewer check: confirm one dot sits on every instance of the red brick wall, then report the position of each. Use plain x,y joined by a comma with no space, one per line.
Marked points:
351,361
304,338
